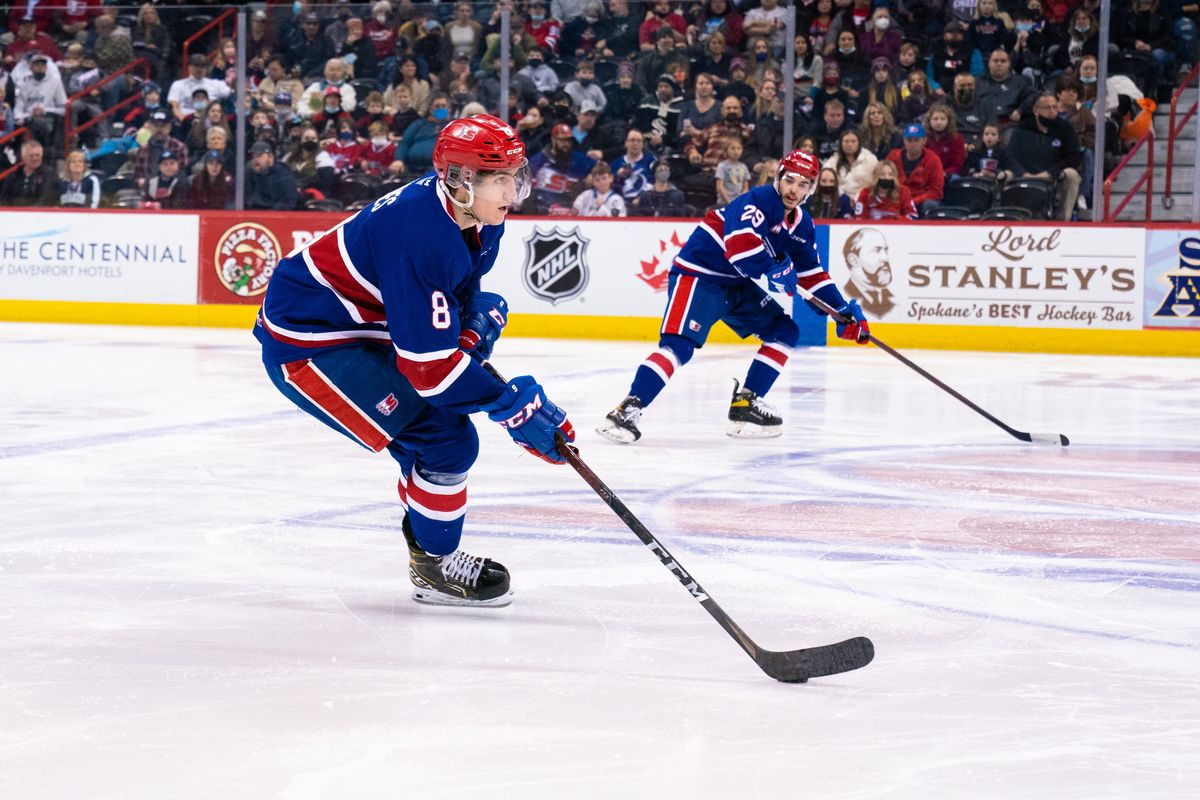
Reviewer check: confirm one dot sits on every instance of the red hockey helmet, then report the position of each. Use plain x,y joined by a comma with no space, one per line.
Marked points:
476,144
801,163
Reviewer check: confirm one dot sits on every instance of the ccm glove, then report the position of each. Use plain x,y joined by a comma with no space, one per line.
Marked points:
483,320
530,419
857,329
782,277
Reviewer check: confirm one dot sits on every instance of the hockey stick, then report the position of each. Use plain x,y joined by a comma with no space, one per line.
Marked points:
1054,439
790,666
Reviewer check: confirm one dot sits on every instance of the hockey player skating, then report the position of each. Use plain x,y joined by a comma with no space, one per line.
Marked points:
362,328
764,232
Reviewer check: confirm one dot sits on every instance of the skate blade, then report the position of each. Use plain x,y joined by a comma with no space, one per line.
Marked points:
431,598
748,430
616,434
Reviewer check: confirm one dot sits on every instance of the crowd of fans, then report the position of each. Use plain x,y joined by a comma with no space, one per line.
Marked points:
660,108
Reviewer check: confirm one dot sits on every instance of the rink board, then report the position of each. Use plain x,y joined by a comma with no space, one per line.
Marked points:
1033,287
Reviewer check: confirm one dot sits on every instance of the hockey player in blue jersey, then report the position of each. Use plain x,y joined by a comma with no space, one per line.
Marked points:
764,232
366,328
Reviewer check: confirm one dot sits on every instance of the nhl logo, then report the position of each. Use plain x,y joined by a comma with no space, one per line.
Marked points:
555,264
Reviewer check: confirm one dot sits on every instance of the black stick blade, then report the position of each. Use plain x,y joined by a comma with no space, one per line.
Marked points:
797,666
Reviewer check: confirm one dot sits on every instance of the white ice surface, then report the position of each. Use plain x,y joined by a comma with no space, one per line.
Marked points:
203,594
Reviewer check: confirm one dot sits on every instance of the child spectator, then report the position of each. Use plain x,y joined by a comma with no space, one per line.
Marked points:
600,200
733,176
379,154
345,150
371,112
944,140
990,159
168,188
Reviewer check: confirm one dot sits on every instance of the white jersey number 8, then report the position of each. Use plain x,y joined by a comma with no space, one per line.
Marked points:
441,311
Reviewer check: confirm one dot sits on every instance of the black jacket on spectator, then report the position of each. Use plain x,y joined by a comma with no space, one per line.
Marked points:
670,203
38,189
766,141
662,117
970,117
1151,27
623,35
578,34
274,189
1001,98
945,63
622,103
649,67
309,54
1033,151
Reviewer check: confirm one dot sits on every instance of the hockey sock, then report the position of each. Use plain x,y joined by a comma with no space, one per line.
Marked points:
770,359
653,374
436,505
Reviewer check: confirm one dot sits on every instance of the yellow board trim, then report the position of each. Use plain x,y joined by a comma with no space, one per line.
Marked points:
1179,342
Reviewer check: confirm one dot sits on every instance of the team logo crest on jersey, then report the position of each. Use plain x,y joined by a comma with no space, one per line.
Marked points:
1183,297
387,405
656,272
555,266
245,257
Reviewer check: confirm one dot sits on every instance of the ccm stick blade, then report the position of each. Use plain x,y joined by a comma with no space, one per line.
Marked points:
797,666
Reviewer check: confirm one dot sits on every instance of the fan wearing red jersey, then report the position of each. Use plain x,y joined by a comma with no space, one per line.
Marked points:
367,329
764,233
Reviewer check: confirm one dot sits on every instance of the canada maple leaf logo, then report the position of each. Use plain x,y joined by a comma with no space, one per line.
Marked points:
656,272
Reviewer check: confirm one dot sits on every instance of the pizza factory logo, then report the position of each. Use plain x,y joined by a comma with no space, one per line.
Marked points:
246,255
656,272
1183,298
555,266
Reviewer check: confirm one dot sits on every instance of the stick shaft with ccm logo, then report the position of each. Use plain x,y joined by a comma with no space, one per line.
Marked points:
1054,439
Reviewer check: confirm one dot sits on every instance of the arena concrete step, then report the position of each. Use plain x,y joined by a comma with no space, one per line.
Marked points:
1181,211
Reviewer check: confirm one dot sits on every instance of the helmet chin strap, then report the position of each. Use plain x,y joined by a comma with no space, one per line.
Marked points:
466,207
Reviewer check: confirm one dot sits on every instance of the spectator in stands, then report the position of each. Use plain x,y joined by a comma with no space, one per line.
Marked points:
853,165
878,132
944,139
312,167
415,150
919,169
261,44
331,113
406,75
703,109
112,46
881,38
558,172
7,123
882,89
1185,13
661,16
589,138
310,50
168,187
532,129
79,187
652,63
1028,49
738,86
766,138
969,115
33,183
151,40
356,51
179,96
207,118
317,93
809,66
1003,94
1146,30
599,200
584,36
543,77
1083,121
990,159
370,112
404,114
344,148
951,55
1044,146
887,197
620,39
717,17
991,29
584,87
633,170
761,62
918,95
30,40
829,131
850,17
767,22
379,153
707,147
275,82
212,186
658,116
545,29
732,176
663,199
146,158
464,33
269,185
828,201
74,18
41,101
624,98
820,20
381,30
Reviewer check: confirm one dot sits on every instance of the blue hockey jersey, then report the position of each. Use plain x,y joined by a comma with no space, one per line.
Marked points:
751,235
395,274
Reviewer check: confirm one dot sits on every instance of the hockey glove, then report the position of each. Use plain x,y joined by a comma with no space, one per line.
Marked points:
782,277
857,329
482,322
530,419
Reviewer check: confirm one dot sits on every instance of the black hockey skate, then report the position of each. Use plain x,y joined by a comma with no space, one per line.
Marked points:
751,417
458,579
620,425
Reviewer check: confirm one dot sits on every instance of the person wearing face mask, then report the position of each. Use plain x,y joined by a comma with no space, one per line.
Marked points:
952,55
886,197
661,198
544,29
829,201
544,78
661,16
969,114
763,233
585,36
41,101
584,87
415,149
1081,37
381,31
326,120
378,155
344,148
1045,146
848,16
311,166
382,357
881,37
707,146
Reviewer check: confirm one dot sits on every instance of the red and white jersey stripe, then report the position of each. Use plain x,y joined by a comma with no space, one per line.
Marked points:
433,500
319,390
